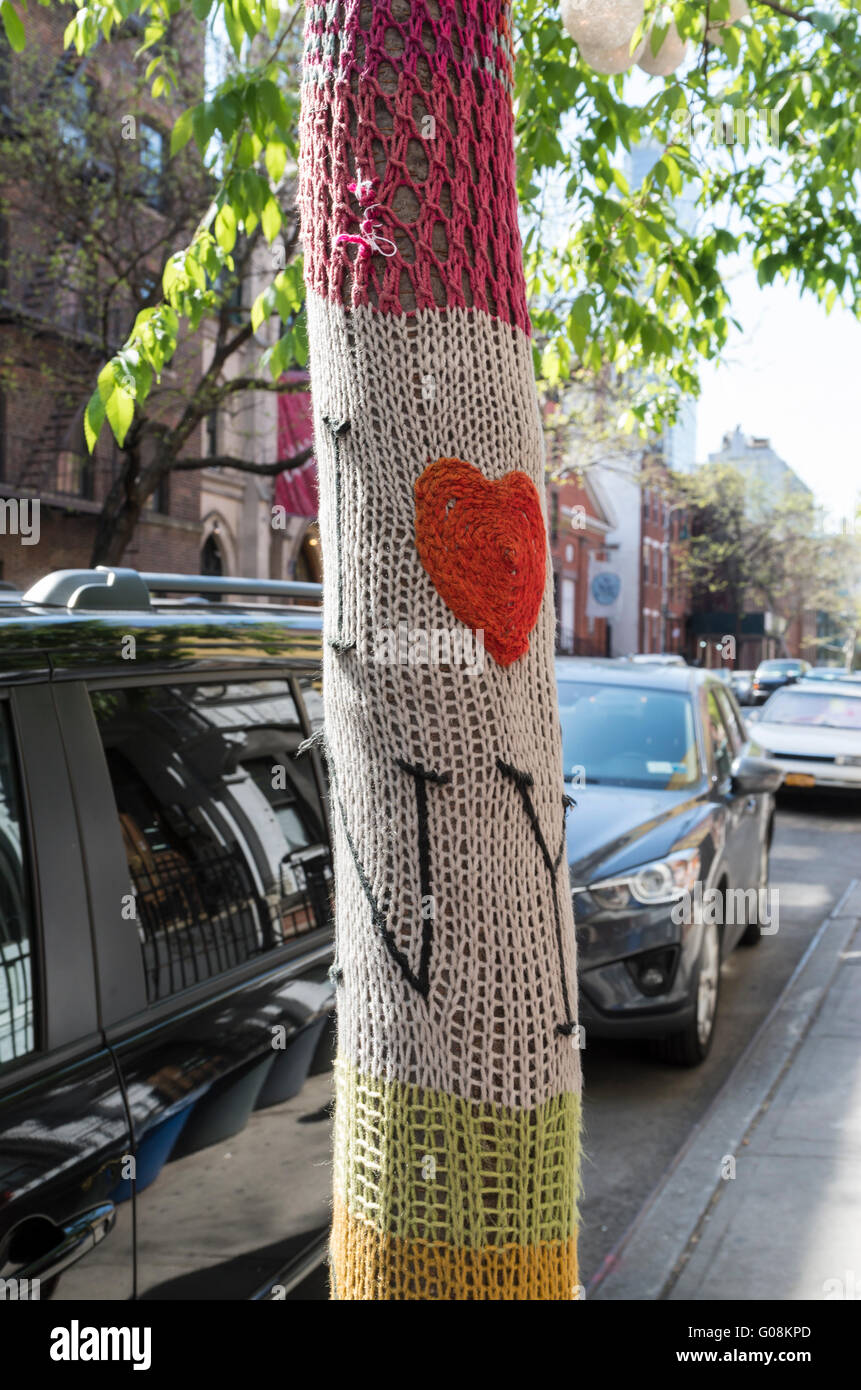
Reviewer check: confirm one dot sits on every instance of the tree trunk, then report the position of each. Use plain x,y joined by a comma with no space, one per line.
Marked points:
458,1072
118,517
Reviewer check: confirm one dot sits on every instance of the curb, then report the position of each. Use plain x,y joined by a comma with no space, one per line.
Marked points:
646,1261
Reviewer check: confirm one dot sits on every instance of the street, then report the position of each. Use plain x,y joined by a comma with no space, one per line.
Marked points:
638,1111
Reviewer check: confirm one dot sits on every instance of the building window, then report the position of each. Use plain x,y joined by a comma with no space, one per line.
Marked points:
75,464
211,559
554,516
151,143
159,500
76,111
212,434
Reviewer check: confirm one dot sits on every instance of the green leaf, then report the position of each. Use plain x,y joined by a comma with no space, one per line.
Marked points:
270,220
225,227
203,124
235,31
120,409
273,17
275,156
262,307
94,418
200,8
181,133
13,26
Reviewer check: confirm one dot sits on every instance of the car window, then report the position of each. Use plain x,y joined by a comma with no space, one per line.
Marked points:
718,736
820,708
311,688
17,1006
735,728
221,821
627,736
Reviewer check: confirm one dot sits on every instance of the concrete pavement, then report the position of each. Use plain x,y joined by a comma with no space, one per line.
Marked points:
764,1199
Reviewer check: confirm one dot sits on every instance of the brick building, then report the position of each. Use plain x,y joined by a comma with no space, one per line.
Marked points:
664,597
65,306
578,529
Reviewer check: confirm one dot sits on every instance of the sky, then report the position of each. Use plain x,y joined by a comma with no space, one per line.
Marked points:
793,375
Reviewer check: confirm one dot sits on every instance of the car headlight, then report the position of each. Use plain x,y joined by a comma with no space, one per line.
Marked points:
660,881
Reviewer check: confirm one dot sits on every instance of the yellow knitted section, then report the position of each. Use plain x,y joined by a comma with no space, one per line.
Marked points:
424,1166
369,1265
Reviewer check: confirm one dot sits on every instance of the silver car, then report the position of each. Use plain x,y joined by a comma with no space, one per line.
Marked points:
814,730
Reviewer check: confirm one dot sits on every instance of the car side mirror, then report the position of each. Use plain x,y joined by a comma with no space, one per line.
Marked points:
751,715
751,775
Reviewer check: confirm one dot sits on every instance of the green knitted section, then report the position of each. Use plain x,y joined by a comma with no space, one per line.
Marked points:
424,1165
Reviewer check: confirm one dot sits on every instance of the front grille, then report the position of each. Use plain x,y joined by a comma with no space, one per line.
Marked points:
805,757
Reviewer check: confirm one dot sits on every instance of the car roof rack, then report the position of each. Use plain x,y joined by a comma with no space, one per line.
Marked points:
110,587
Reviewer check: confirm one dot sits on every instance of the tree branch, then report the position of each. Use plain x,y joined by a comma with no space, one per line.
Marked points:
788,14
267,470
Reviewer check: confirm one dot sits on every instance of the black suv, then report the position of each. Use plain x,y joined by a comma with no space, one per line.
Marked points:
165,939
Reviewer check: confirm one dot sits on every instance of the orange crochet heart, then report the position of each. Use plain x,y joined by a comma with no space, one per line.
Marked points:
482,542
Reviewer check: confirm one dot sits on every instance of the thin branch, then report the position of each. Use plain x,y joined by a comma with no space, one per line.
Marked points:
253,383
267,470
787,14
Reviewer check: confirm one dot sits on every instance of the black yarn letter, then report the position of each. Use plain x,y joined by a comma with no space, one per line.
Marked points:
523,781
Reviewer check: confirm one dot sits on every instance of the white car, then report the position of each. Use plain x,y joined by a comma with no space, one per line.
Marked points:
814,731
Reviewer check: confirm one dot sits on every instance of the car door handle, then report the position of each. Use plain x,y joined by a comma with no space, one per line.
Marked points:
75,1240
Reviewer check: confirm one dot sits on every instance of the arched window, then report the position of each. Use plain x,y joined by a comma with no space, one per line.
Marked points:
211,560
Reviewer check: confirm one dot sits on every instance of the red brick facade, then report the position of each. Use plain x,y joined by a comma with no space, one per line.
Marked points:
50,354
664,599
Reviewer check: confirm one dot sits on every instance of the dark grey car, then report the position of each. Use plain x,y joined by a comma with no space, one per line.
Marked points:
668,846
165,941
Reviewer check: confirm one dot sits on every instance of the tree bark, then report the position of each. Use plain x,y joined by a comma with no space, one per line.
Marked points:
118,518
458,1071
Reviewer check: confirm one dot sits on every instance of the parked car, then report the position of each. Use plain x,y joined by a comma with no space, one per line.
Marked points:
814,730
165,940
771,675
742,685
672,798
831,673
659,658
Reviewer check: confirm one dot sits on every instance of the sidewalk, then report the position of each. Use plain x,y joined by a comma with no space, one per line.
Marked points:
787,1122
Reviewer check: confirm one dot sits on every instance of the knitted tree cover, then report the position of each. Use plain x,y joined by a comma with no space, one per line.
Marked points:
458,1075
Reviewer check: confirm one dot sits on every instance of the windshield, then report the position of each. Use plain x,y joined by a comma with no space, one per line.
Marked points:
779,668
820,708
625,736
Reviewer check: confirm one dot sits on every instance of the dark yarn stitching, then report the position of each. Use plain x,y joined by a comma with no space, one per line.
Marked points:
524,782
337,428
422,776
379,916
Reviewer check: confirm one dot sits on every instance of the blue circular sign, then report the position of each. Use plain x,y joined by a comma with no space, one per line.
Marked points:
605,587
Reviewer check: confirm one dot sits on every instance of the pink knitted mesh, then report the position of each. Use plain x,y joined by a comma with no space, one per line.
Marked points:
449,217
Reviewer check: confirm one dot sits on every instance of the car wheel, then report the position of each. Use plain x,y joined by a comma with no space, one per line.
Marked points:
690,1046
753,931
